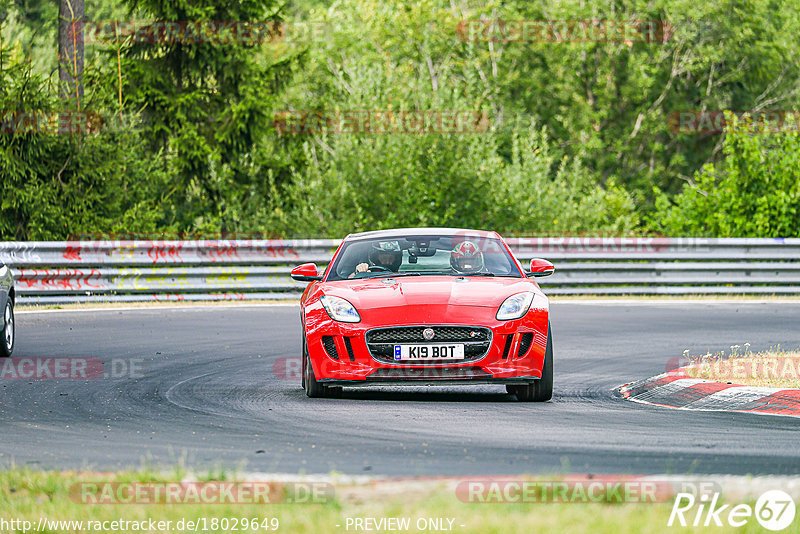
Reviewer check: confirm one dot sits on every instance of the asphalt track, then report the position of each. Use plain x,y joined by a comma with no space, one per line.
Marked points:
207,396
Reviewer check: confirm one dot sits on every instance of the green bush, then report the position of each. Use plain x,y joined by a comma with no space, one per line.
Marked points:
754,191
355,184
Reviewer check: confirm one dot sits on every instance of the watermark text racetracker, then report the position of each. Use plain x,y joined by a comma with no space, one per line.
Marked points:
290,368
738,367
189,32
69,368
562,31
49,122
718,121
208,493
577,490
610,245
376,121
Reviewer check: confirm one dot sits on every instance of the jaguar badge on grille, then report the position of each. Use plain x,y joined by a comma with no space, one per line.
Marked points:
428,333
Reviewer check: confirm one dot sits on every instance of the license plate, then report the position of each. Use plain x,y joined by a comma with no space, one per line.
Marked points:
428,352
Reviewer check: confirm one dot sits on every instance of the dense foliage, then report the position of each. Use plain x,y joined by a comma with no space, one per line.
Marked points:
573,137
753,192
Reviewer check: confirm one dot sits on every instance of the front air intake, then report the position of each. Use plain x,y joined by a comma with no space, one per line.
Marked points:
330,347
525,344
349,347
507,348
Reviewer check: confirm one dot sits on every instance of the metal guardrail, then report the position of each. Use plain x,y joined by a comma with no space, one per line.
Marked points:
125,271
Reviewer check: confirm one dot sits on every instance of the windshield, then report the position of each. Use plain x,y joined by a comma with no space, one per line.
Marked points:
450,255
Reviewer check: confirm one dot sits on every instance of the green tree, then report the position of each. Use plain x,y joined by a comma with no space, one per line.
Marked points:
59,183
206,108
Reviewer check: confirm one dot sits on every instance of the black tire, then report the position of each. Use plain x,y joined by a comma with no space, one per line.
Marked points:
303,366
542,389
312,388
9,336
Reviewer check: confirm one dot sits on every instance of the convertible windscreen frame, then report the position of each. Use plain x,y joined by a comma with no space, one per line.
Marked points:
427,251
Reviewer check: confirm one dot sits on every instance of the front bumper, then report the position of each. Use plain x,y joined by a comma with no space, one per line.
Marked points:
340,355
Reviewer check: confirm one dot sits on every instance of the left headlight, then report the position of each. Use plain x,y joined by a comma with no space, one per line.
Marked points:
339,309
517,305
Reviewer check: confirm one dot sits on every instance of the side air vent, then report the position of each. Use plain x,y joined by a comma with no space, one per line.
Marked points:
330,347
525,344
349,349
509,340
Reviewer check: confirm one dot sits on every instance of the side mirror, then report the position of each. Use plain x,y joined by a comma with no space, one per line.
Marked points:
540,267
306,273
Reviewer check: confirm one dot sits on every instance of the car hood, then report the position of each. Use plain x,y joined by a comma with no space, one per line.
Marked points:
374,293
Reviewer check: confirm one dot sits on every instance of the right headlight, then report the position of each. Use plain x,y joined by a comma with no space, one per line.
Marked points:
515,306
339,309
518,305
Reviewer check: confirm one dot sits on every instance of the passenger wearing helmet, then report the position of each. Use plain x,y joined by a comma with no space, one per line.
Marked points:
466,257
384,256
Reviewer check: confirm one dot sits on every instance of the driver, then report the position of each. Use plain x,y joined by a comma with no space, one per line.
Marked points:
466,257
384,256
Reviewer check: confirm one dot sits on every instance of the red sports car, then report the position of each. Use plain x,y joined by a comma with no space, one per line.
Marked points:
426,306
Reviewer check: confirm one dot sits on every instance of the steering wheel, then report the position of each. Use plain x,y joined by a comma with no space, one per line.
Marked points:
378,269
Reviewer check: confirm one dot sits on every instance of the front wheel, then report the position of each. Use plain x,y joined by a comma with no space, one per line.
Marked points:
7,344
542,389
312,388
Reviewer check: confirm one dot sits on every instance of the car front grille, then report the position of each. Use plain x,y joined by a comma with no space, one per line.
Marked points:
381,341
441,334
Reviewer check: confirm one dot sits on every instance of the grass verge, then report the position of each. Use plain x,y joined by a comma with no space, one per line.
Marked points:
32,495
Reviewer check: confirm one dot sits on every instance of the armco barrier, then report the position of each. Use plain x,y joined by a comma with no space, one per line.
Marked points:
125,271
